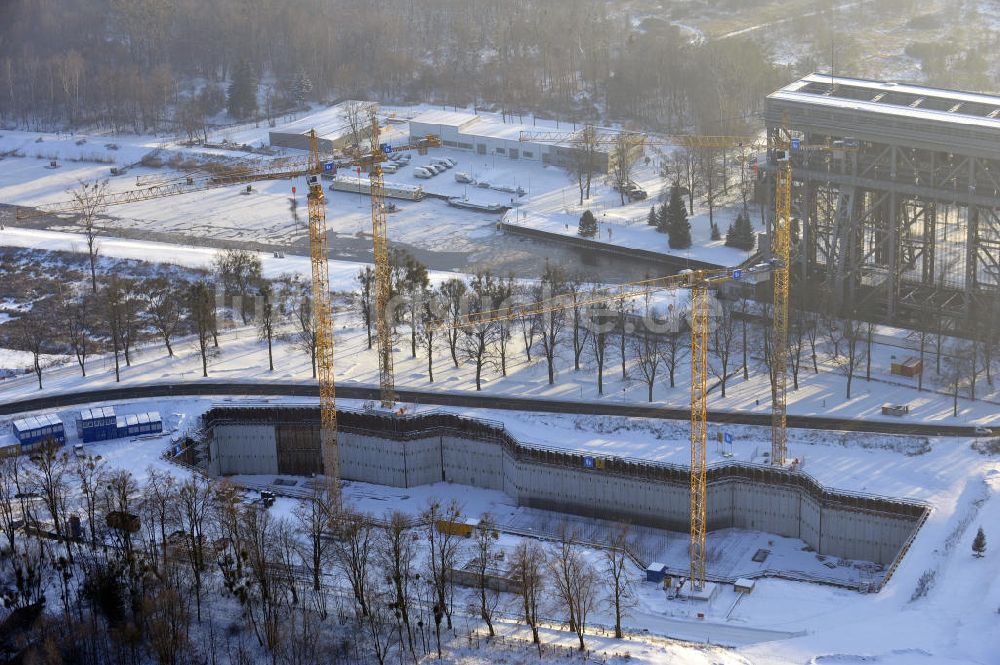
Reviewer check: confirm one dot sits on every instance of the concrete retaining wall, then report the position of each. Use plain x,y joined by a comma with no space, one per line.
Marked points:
407,452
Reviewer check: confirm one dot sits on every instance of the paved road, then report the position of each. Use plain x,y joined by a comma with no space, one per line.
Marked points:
469,400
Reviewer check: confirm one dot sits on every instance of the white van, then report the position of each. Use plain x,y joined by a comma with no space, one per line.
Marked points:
389,167
442,162
421,172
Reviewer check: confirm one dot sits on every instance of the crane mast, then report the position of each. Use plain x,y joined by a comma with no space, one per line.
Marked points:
323,320
383,277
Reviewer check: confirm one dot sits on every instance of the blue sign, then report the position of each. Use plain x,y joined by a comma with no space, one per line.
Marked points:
737,273
727,437
386,148
588,462
328,166
796,144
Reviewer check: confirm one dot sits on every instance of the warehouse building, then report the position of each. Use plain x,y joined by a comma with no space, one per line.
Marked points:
488,136
332,126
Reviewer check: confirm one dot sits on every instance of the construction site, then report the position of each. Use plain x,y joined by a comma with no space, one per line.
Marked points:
878,206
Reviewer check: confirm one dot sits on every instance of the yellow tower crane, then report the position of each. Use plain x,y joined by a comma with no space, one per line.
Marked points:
312,167
700,282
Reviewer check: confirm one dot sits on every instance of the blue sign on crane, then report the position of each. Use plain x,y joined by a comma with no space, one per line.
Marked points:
796,144
328,166
727,437
737,273
386,148
588,462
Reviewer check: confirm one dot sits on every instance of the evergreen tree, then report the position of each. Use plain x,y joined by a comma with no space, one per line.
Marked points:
242,94
661,219
979,544
716,235
741,234
301,87
678,226
654,219
588,225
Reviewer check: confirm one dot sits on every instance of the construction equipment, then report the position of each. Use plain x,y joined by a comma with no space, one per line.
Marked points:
778,147
700,282
311,166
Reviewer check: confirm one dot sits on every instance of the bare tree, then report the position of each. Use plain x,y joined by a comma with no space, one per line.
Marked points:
201,310
444,545
626,152
584,159
848,335
78,318
574,581
239,272
90,473
396,554
10,515
527,568
600,321
453,292
721,342
479,335
353,551
47,475
35,332
581,331
487,556
528,324
267,320
195,498
646,347
164,307
91,202
315,517
552,323
357,115
366,298
616,560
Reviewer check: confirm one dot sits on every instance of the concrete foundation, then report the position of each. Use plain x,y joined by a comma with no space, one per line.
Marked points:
419,450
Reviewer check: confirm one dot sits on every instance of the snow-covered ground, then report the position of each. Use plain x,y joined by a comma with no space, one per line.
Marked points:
268,215
781,621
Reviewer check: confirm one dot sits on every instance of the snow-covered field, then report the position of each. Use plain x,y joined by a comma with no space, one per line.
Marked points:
781,622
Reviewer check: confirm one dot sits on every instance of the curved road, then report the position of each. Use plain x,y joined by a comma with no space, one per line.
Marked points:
469,400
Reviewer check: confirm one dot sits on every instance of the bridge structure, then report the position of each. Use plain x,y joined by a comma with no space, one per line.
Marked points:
903,224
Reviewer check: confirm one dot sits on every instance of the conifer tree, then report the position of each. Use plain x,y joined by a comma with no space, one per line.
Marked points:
241,101
301,87
678,226
741,234
588,225
979,543
661,219
653,219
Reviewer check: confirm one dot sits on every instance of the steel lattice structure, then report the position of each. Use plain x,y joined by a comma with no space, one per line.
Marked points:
904,225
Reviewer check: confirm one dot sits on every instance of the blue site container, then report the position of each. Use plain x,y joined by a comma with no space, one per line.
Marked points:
36,430
97,424
138,424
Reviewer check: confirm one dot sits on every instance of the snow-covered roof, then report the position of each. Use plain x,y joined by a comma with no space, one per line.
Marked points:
36,422
449,118
97,412
329,123
896,99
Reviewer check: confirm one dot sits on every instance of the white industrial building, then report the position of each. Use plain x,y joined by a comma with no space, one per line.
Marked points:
332,126
486,135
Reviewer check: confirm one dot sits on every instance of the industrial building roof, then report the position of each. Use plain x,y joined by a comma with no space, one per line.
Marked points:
489,125
898,99
329,123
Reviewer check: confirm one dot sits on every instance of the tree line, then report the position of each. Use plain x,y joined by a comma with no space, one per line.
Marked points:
148,65
102,566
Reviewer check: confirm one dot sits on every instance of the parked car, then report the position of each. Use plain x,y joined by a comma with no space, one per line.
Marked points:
464,177
389,167
637,194
422,173
434,168
983,431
